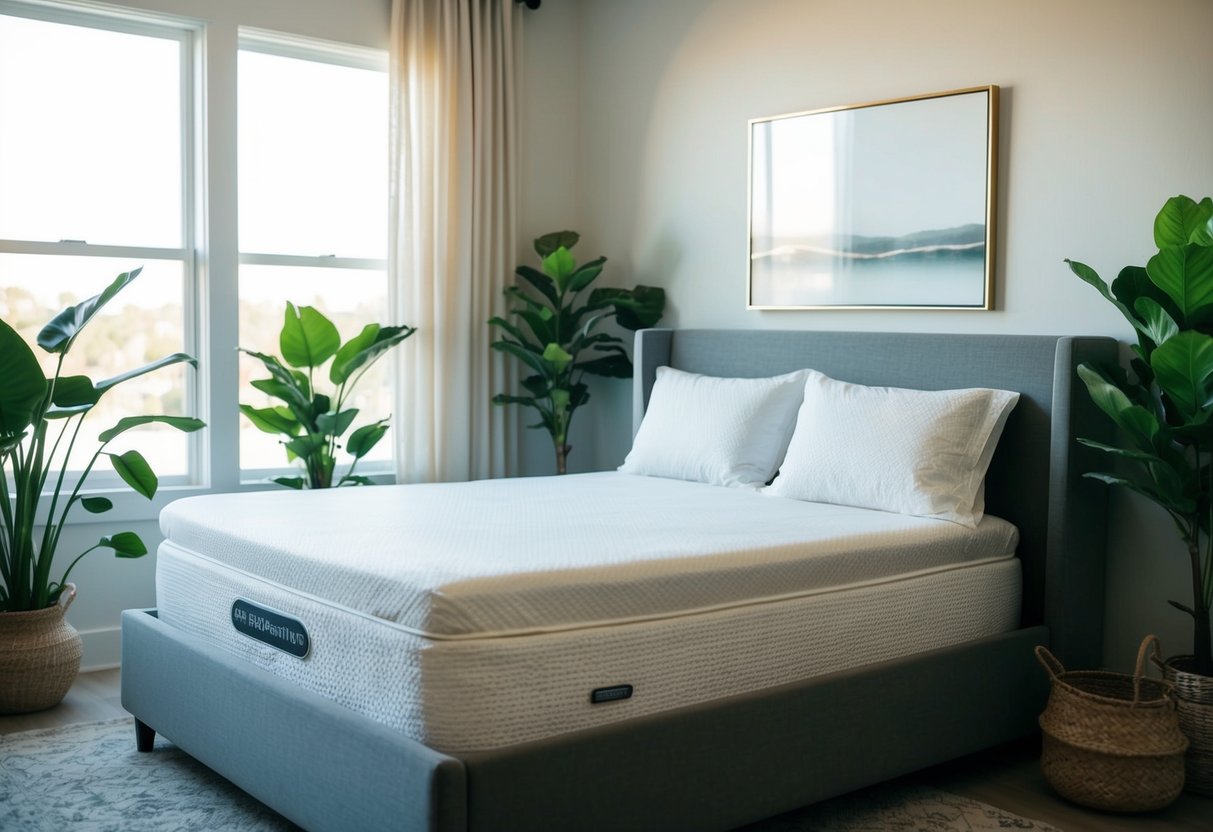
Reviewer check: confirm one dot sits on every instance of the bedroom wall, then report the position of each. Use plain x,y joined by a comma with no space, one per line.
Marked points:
1104,114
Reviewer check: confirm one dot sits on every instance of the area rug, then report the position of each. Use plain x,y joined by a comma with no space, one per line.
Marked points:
89,777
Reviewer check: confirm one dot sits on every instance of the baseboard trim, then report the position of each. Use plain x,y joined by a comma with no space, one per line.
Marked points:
102,648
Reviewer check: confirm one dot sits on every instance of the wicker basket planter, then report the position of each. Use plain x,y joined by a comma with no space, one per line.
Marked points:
39,657
1194,698
1112,741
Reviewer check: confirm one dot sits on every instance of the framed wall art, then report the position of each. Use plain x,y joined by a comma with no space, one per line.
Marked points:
887,205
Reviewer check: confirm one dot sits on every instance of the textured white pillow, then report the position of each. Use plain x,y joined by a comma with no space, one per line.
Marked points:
722,431
914,452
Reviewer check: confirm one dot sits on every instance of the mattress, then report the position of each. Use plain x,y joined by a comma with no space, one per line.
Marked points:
476,615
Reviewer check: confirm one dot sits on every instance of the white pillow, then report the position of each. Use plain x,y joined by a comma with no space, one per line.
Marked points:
909,451
722,431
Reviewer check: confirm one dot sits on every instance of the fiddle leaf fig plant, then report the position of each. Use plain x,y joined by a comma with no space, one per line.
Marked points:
311,424
554,334
1163,406
40,422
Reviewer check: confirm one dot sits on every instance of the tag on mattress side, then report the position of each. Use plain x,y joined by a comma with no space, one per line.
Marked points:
274,628
611,694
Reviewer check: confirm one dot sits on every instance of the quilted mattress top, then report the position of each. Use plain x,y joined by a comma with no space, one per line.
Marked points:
513,556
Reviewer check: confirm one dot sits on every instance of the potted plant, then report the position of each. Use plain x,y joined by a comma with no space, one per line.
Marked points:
39,424
309,422
555,334
1164,408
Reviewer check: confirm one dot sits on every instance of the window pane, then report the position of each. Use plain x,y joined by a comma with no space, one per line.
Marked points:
351,299
313,158
141,325
90,135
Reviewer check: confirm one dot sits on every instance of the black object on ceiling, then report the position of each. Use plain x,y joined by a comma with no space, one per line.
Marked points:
530,4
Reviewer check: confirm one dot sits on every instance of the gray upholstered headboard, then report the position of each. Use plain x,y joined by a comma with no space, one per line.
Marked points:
1035,479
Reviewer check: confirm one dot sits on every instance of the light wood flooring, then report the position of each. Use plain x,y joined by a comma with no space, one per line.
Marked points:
1008,777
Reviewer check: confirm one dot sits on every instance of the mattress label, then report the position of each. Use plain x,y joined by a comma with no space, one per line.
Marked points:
272,627
611,694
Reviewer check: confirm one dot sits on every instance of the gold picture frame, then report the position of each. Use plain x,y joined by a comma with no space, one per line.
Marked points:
884,205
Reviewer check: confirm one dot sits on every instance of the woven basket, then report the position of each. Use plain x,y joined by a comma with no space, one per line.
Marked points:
1112,741
39,657
1194,698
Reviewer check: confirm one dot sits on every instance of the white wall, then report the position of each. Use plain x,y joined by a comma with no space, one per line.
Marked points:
1105,113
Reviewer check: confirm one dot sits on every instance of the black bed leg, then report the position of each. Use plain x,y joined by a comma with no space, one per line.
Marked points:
145,736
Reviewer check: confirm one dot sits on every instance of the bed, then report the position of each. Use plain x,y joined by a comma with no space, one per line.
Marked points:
464,755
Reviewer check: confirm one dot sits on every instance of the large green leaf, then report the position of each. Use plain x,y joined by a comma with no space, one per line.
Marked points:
535,362
335,424
365,438
293,387
1141,425
542,283
22,385
135,472
586,274
548,243
636,308
274,420
1182,220
272,388
96,505
185,424
559,265
57,336
1160,325
1183,368
1090,276
556,355
125,545
1186,275
308,339
542,323
305,446
361,352
75,391
290,482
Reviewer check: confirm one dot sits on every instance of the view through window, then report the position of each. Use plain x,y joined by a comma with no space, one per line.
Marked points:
94,181
313,213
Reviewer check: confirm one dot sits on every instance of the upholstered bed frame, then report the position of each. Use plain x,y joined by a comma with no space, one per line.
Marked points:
720,764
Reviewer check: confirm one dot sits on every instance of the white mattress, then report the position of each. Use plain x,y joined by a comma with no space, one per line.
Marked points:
477,615
507,557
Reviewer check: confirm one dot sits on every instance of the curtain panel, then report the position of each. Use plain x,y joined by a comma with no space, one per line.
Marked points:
454,193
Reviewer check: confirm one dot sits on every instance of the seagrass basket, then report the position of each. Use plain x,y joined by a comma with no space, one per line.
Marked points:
1194,700
1112,741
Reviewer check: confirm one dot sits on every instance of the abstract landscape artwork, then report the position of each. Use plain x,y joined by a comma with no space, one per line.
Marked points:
882,205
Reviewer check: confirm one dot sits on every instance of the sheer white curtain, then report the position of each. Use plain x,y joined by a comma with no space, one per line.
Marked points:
454,169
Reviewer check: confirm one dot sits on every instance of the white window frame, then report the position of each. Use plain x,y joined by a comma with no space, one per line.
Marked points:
340,54
187,33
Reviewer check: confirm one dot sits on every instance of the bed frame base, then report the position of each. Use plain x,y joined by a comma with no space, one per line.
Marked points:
712,766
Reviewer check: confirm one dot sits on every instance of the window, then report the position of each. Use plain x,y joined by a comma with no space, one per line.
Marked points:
96,179
312,145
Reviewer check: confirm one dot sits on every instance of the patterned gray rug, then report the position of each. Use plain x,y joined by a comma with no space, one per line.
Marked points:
89,778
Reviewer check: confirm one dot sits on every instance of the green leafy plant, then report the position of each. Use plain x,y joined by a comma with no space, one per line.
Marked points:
1164,408
39,417
555,334
312,423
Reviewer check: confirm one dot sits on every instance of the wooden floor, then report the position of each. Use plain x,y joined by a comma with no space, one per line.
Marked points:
1007,777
